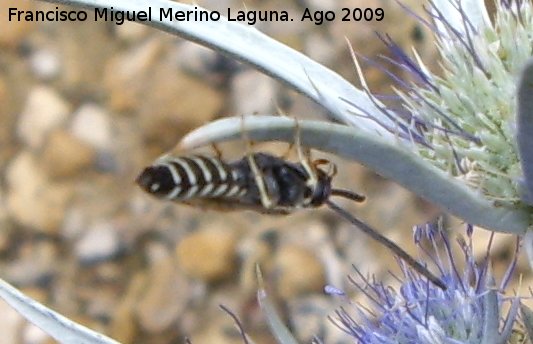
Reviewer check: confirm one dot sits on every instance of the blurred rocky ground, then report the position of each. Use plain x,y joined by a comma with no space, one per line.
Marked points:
86,106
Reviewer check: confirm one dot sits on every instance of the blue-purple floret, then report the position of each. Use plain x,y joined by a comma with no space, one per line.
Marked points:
465,41
420,312
402,60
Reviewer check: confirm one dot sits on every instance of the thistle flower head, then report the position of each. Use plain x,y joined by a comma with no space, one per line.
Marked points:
468,311
463,121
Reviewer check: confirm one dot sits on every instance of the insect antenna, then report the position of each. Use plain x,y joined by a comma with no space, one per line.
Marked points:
421,269
348,194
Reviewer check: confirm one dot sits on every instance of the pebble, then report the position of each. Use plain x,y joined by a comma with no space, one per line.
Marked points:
401,214
34,265
195,59
252,251
31,199
154,251
92,124
123,327
204,63
100,243
10,323
74,222
219,5
131,32
65,155
209,254
44,111
320,48
34,335
165,297
45,64
309,317
175,106
126,75
361,251
14,31
254,92
299,271
221,330
318,234
7,227
7,118
321,5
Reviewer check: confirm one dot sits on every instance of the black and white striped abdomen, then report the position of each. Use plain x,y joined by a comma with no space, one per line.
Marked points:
184,178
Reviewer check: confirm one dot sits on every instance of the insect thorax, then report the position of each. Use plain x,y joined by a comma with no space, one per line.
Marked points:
287,183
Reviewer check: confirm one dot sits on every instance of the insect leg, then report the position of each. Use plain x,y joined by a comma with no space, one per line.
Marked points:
258,176
304,157
285,155
218,152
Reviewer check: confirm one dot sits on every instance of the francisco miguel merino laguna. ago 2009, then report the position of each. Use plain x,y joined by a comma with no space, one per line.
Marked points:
118,17
249,17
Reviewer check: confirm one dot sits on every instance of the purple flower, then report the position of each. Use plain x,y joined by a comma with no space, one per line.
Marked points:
468,311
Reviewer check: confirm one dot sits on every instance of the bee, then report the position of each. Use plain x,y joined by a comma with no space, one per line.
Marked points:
261,182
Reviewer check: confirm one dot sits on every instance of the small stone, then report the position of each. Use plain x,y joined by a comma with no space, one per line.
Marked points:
253,92
74,222
165,297
123,327
502,245
92,124
154,251
13,31
321,5
131,31
44,111
65,155
8,120
321,48
100,243
5,224
129,68
299,271
10,321
204,63
45,64
34,335
252,251
36,263
31,199
209,254
307,317
221,329
195,58
188,103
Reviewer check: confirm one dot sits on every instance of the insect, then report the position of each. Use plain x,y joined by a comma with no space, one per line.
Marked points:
260,182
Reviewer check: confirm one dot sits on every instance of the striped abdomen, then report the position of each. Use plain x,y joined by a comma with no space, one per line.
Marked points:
185,178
